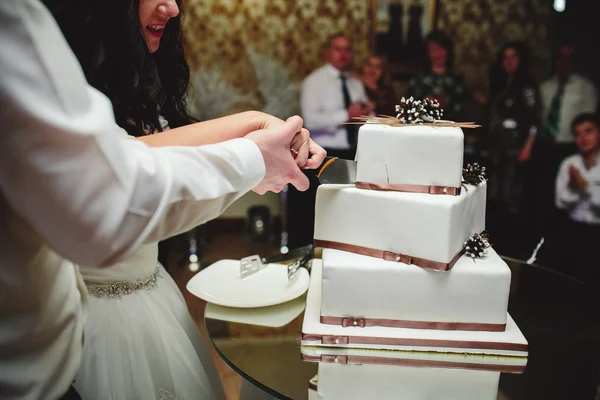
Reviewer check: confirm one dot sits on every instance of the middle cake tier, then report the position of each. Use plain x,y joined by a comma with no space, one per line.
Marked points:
413,228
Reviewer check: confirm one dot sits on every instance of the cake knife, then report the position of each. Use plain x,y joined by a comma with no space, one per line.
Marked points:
337,171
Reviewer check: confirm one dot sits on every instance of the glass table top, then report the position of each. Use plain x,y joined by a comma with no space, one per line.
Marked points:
559,316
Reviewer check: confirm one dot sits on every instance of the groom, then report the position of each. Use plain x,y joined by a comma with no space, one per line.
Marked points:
68,194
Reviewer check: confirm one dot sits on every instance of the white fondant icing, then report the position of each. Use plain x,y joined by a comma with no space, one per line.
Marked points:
433,227
419,155
474,291
491,343
338,381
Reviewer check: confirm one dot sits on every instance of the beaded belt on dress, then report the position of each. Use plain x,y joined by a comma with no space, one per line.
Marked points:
117,289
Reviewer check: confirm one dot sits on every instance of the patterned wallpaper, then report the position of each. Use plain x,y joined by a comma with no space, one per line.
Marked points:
480,27
252,54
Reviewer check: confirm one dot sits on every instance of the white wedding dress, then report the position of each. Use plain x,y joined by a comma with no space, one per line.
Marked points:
140,340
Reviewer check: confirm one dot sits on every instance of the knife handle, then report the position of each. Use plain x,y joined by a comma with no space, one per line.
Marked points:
303,251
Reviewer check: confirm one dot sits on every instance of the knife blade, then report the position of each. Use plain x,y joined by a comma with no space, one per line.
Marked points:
337,171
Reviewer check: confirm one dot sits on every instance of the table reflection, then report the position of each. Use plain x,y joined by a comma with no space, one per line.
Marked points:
361,375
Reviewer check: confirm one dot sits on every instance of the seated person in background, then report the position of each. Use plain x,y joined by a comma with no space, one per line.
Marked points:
565,95
578,194
378,85
438,80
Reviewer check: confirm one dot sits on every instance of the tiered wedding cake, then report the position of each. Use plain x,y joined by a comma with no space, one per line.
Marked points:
404,266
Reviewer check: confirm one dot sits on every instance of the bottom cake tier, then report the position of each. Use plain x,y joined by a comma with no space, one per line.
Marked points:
374,292
509,342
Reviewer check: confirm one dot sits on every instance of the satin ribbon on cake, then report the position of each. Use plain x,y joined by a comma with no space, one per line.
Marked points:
393,323
396,187
390,256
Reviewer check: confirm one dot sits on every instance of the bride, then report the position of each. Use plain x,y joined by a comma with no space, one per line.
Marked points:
140,341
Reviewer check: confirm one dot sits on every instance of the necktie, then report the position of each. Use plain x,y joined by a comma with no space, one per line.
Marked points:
351,130
553,118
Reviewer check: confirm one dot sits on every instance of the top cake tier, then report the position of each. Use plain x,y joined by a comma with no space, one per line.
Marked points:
410,155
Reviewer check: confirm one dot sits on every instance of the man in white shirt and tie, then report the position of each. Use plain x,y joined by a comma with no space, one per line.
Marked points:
578,195
330,96
73,191
564,96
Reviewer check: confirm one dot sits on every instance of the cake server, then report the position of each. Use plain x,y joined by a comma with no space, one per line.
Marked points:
252,264
337,171
304,262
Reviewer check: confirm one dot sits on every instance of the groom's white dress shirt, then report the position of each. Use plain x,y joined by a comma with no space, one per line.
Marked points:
72,189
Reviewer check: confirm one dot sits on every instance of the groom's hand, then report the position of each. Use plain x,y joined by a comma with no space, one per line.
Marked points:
307,153
275,144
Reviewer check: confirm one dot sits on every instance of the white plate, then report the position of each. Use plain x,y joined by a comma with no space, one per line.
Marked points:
221,284
273,316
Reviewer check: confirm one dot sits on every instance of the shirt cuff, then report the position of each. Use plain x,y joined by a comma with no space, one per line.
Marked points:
250,157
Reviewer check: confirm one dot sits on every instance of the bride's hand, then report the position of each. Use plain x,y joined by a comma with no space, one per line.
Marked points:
307,153
265,121
275,146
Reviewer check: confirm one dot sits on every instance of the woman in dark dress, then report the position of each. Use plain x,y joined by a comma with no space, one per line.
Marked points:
438,80
515,118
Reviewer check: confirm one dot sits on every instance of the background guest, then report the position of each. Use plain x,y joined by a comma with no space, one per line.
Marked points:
438,80
578,195
563,96
514,109
378,85
330,96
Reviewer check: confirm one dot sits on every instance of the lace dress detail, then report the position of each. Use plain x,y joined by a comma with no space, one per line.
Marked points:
165,395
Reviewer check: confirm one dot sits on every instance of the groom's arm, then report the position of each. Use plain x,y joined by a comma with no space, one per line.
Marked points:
93,196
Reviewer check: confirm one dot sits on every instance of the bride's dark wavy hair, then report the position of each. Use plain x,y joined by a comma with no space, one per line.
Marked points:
107,38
